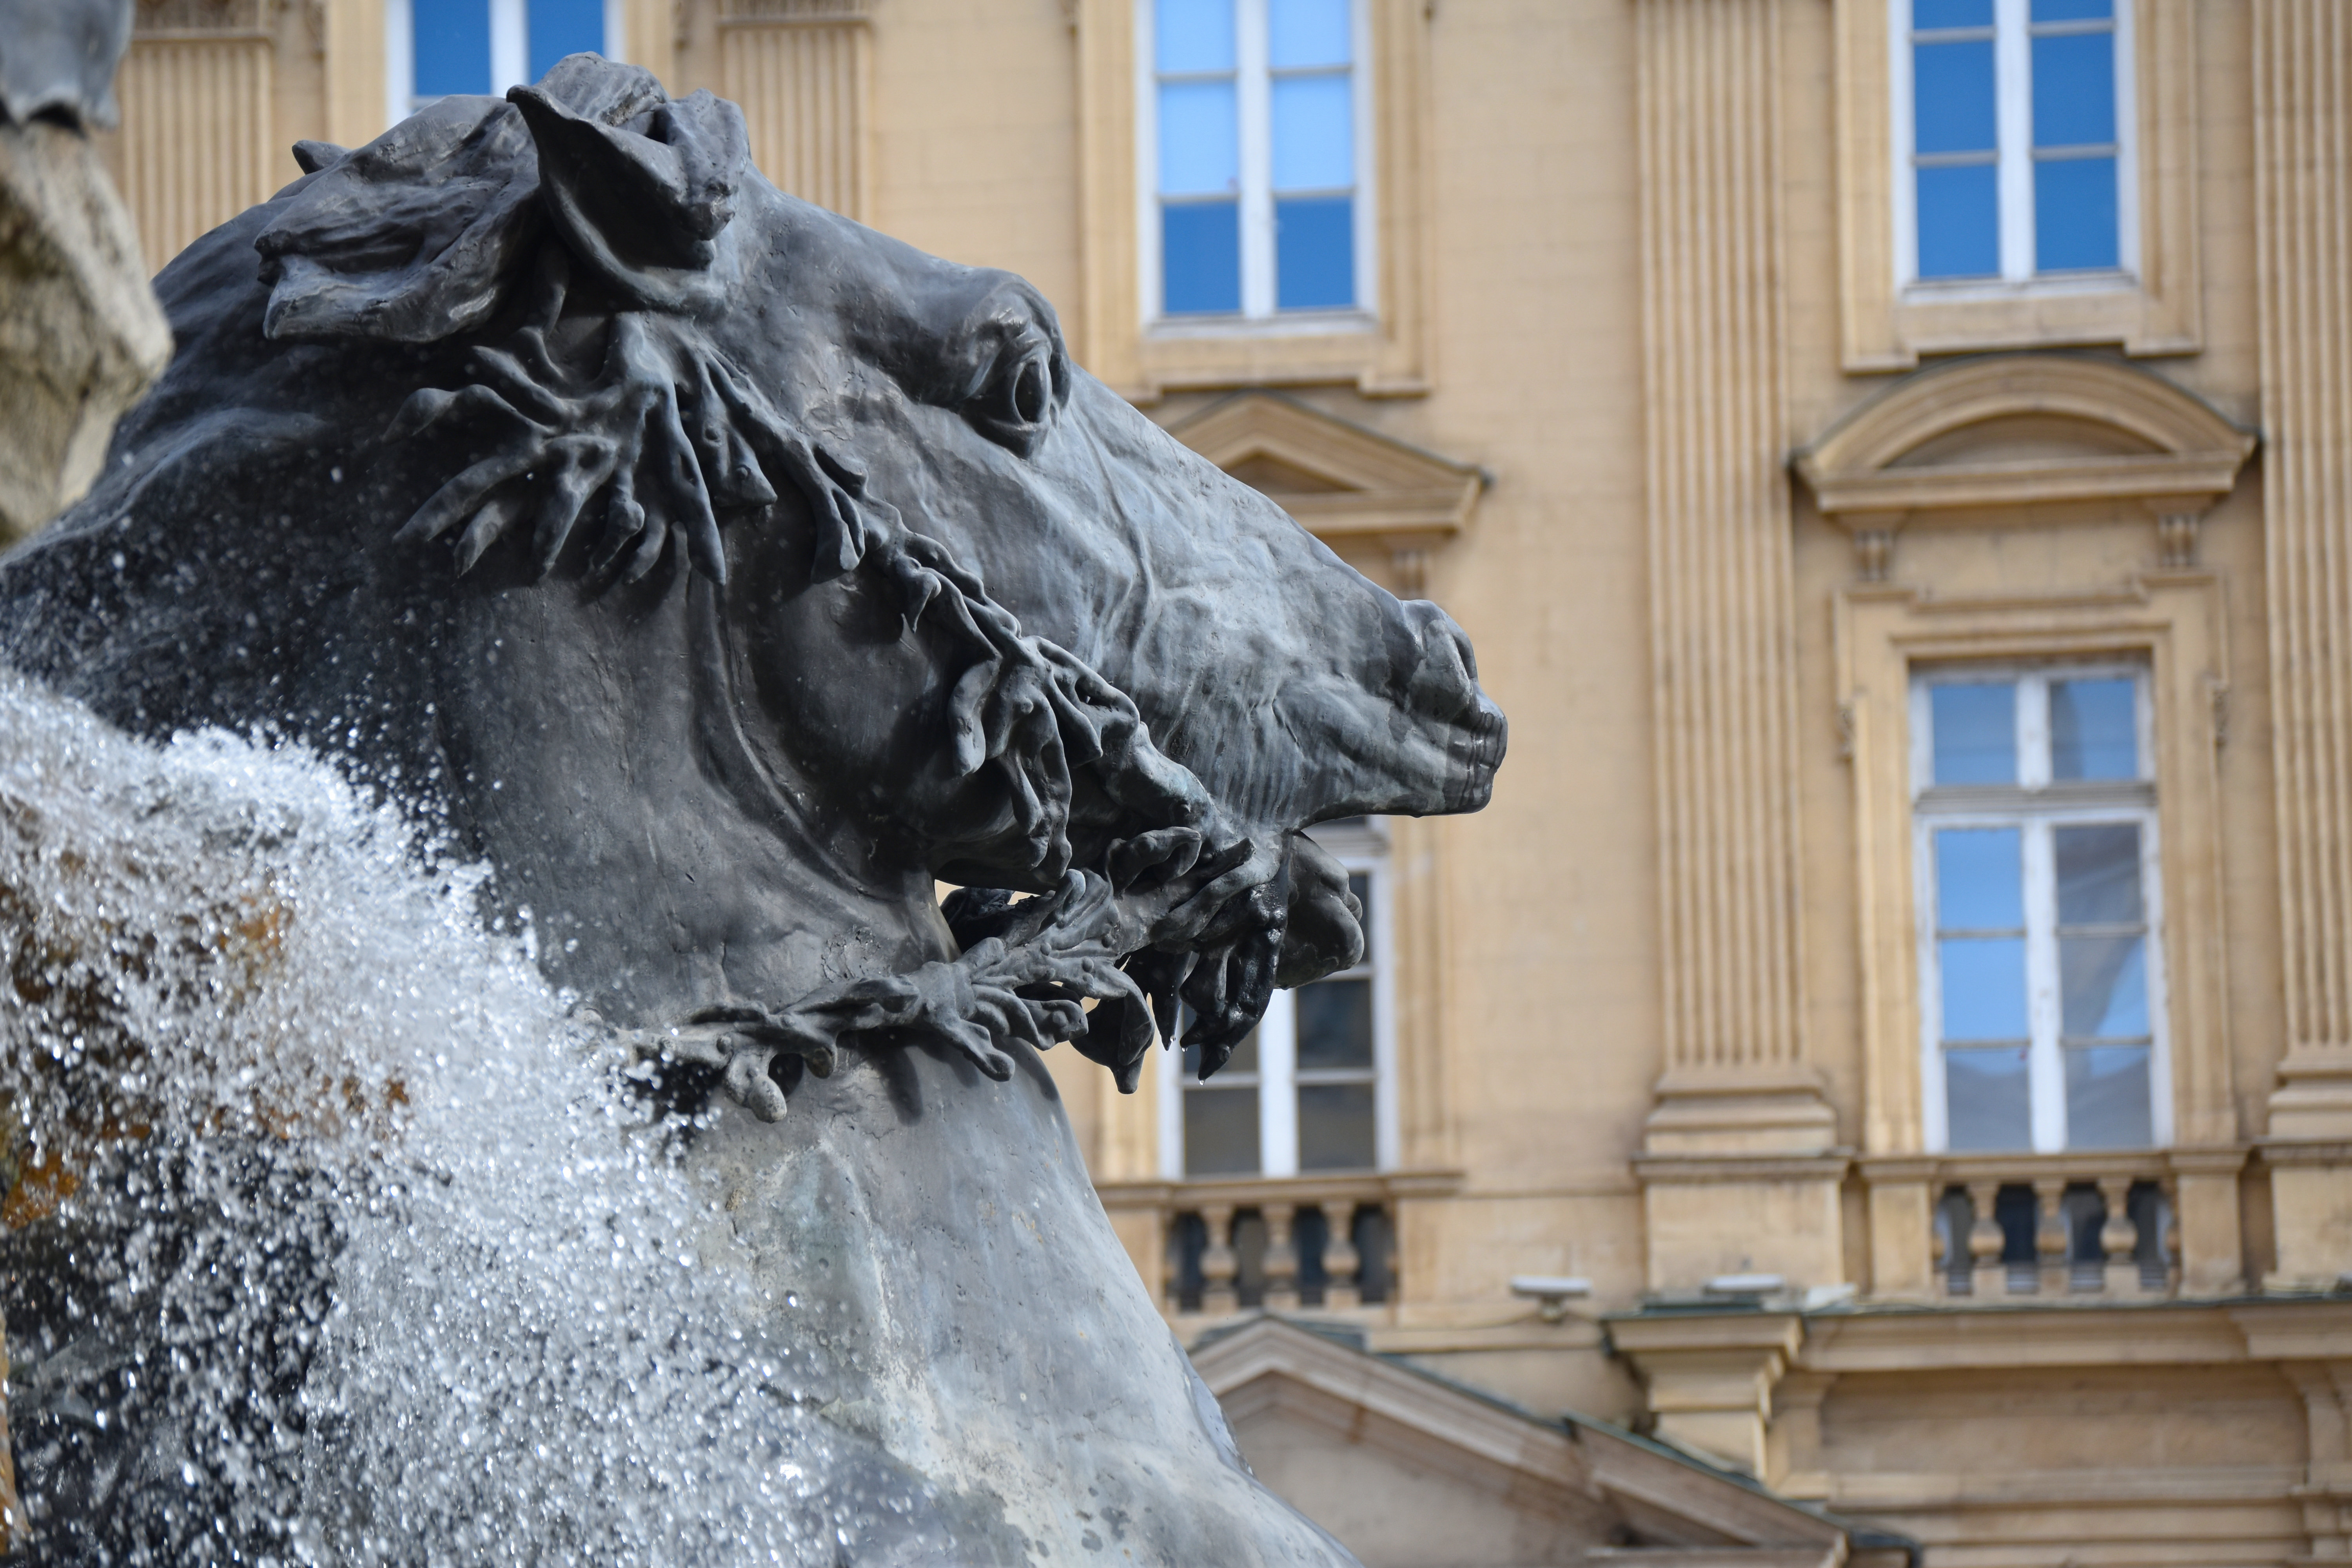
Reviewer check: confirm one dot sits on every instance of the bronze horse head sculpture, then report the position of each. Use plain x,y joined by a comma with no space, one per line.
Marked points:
723,575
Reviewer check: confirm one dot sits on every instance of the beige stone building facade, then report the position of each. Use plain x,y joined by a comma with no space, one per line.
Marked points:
1890,1036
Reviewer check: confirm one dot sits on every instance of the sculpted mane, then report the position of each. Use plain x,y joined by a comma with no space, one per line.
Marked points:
642,433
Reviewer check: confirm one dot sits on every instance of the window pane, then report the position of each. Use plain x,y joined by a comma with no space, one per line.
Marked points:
1314,134
2075,90
2098,875
1985,1103
2107,1097
1984,988
1334,1025
560,27
1975,732
2094,730
1307,33
2073,215
1194,35
1951,14
1335,1127
1243,1063
1220,1132
1952,99
1201,259
1960,222
2102,986
1977,875
1200,152
1315,253
453,46
2073,10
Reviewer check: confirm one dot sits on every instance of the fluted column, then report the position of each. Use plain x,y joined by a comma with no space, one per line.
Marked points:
2303,229
1736,1175
1723,607
2303,208
199,141
799,70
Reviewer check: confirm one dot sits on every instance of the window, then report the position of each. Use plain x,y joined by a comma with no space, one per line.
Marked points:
1309,1089
2014,119
1254,138
441,47
2041,959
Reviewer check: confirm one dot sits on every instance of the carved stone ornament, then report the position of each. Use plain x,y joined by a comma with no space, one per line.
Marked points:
723,575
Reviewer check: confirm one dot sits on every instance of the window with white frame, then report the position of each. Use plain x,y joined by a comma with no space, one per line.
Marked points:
2013,125
436,48
2040,948
1312,1087
1253,137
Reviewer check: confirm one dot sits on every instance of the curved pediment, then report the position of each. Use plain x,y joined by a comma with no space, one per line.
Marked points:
2024,429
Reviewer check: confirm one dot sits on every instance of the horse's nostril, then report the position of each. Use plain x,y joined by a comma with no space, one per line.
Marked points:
1029,393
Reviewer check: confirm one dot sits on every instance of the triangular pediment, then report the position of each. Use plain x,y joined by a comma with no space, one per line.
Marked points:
1407,1470
1339,479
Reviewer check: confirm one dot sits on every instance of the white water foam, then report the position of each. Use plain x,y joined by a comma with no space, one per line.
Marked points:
527,1347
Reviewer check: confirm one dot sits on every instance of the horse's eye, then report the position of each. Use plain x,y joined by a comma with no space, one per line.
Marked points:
1015,405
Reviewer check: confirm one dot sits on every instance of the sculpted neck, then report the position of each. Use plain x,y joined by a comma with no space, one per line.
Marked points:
669,859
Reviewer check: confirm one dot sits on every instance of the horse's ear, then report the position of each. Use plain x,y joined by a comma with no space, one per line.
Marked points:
641,202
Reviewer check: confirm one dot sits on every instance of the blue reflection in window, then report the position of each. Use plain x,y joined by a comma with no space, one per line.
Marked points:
1977,879
1984,988
1952,98
2075,90
2074,215
1975,732
1200,150
2103,987
1314,253
1927,14
453,46
560,27
1960,222
1307,33
1314,134
2073,10
2094,730
1194,35
1201,259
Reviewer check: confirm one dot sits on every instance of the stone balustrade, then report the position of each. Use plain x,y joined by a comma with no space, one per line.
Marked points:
1213,1247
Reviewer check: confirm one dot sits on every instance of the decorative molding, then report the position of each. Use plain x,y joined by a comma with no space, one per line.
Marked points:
1721,557
2303,223
172,17
2188,455
1387,356
802,71
2160,312
1341,481
2174,620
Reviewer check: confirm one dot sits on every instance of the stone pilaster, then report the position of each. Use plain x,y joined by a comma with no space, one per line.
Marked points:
2303,199
799,68
1735,1085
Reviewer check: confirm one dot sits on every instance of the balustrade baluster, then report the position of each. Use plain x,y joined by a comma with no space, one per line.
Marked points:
1220,1265
1986,1241
1281,1258
2052,1244
2119,1236
1341,1260
2168,1235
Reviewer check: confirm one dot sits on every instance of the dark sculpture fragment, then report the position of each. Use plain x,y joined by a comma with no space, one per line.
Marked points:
722,575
